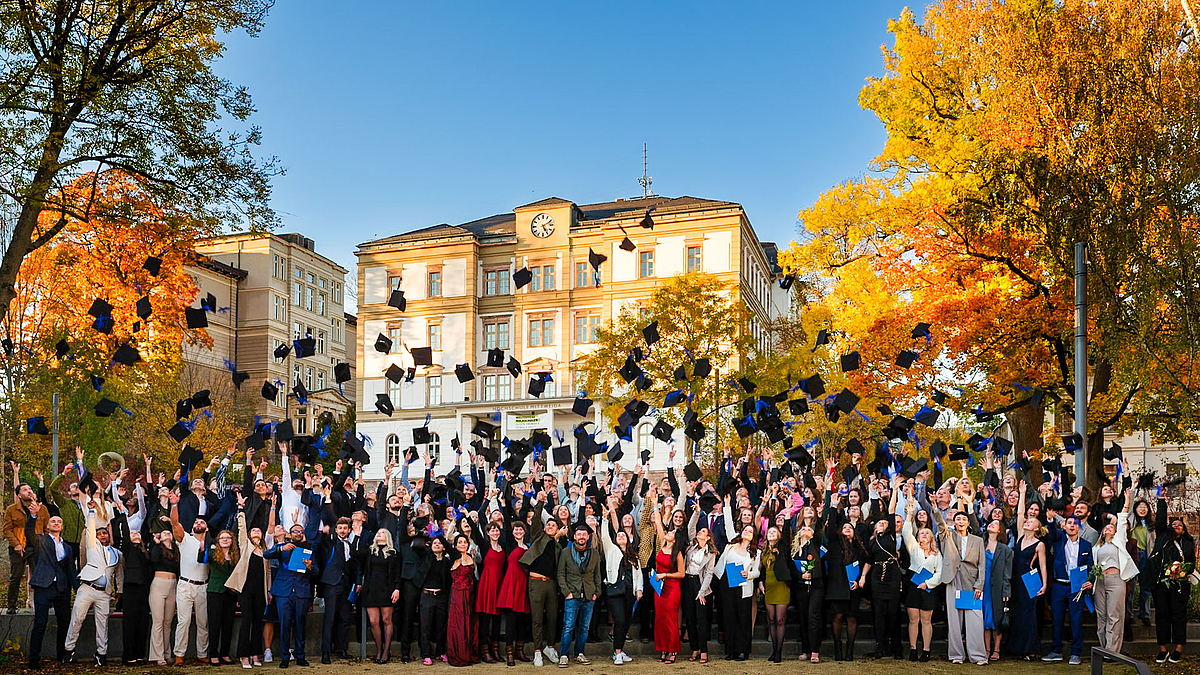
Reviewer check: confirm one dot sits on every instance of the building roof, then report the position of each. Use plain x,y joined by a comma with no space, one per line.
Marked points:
505,223
211,264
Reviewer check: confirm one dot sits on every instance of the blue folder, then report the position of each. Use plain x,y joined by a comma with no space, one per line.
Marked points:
733,574
1033,582
655,582
922,577
1078,577
852,572
296,560
967,600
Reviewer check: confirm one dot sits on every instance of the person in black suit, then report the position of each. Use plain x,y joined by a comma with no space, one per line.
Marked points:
135,606
337,558
52,578
197,502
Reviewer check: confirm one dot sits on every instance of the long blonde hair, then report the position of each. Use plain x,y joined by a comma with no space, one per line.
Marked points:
387,549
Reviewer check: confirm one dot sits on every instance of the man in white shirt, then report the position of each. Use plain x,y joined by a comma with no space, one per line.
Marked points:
191,593
293,512
101,576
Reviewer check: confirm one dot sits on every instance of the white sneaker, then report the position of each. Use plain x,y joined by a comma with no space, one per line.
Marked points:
626,658
563,661
267,658
537,659
583,660
550,652
617,659
1075,661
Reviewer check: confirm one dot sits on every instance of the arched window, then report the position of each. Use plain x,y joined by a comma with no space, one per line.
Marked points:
645,440
393,450
435,448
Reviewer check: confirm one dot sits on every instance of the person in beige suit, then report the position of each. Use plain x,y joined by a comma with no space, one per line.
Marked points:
962,570
101,577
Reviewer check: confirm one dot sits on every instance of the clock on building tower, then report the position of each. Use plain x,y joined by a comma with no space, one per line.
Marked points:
542,225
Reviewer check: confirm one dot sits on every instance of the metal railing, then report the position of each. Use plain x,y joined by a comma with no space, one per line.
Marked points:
1099,656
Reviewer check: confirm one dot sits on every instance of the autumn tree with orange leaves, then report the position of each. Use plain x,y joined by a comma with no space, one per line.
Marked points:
1015,130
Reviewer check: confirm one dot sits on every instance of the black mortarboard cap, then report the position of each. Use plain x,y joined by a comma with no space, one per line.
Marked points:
746,385
662,431
744,427
775,432
61,348
937,449
822,338
921,330
106,407
674,398
701,367
254,442
394,373
483,428
850,362
196,317
201,399
421,435
143,308
906,358
902,423
99,308
927,416
680,374
1023,464
284,431
270,391
1072,442
522,277
596,259
153,265
562,455
580,406
7,344
209,303
813,386
397,300
300,391
1113,452
912,469
513,366
692,471
495,358
1003,446
689,416
854,446
650,333
341,373
694,430
305,347
127,355
630,371
190,456
1038,396
282,350
383,403
97,382
958,452
708,500
645,456
627,244
179,432
422,356
647,222
831,412
786,282
383,344
37,425
1146,480
463,372
846,401
616,452
798,406
849,474
748,405
537,385
183,409
939,397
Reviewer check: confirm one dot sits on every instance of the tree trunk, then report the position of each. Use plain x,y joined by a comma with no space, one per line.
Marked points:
1102,374
1026,423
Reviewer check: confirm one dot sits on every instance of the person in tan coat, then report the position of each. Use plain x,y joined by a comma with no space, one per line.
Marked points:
14,531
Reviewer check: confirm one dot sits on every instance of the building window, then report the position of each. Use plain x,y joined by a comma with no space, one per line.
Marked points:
435,447
321,283
435,336
280,266
497,387
394,456
435,284
394,392
337,292
311,279
299,294
644,439
299,273
1176,471
646,264
320,380
308,298
495,282
297,329
337,330
308,378
495,335
320,342
543,278
541,332
394,336
586,326
582,278
434,383
394,282
321,304
693,259
302,425
280,308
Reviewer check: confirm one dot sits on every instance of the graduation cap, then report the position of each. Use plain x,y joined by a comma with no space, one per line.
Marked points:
179,431
1039,395
1003,445
8,346
196,317
1023,464
627,244
708,500
36,425
394,373
514,464
959,452
906,358
1050,464
744,427
270,391
106,407
513,366
596,259
798,406
383,403
1113,452
680,374
97,382
483,428
495,358
855,447
849,474
463,372
397,300
153,265
701,367
637,408
650,333
143,308
937,449
61,349
100,308
580,406
746,385
201,399
845,401
831,412
786,282
341,373
662,431
209,303
284,348
645,456
982,415
901,423
647,222
927,416
674,398
630,371
800,455
127,355
562,455
1146,480
850,362
537,385
813,386
822,338
921,330
911,469
1072,442
305,347
254,442
383,344
421,435
284,431
615,453
694,430
183,409
300,392
692,471
522,277
939,397
884,409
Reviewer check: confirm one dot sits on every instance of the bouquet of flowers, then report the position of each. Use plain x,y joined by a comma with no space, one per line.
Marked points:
1177,573
1094,573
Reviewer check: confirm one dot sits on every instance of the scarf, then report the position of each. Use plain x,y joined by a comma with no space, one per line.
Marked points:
581,559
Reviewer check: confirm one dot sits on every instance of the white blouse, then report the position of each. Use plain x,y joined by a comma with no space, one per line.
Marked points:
749,565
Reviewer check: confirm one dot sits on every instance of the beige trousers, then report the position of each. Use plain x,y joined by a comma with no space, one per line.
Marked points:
1108,592
191,599
85,598
162,613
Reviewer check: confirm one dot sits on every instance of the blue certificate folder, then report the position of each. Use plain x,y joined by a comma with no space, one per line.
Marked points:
655,582
1078,576
1033,582
733,574
922,577
967,600
852,572
296,561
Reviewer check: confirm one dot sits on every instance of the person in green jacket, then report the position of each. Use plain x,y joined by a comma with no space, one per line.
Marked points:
579,579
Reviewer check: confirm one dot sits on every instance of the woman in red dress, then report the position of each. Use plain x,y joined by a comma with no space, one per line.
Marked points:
669,568
460,629
491,575
514,596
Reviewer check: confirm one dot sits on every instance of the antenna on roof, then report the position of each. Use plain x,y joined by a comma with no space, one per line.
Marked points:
645,180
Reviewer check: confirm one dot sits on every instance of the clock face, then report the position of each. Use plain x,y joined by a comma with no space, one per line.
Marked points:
542,225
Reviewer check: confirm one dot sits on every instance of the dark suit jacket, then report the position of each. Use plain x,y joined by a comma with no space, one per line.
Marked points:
330,560
189,508
289,584
47,570
1058,544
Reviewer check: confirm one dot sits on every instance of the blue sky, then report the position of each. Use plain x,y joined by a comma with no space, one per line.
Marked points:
390,116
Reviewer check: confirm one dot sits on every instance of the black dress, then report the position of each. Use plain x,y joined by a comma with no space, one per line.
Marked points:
1023,632
381,576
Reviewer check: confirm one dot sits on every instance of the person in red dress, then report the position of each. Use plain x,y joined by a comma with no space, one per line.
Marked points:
514,595
460,630
494,561
669,568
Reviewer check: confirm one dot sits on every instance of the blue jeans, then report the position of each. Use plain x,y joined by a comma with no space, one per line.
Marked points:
577,617
1062,601
292,614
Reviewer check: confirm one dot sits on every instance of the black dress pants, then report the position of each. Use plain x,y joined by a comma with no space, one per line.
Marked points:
135,622
435,617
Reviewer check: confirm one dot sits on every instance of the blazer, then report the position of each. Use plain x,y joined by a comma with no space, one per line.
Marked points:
189,508
1058,552
14,524
237,578
1001,585
288,584
114,575
1129,568
964,569
47,571
334,568
572,580
612,560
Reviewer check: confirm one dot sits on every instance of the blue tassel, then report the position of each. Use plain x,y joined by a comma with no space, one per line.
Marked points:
1022,387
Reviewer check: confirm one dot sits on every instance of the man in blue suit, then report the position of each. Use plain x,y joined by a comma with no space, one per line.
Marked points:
292,591
336,556
1069,550
52,578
